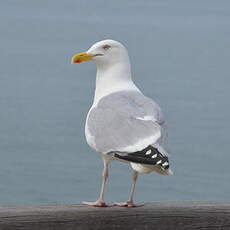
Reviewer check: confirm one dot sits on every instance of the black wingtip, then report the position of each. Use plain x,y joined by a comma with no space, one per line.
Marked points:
149,155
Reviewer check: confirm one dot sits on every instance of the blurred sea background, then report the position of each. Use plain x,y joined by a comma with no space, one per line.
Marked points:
180,52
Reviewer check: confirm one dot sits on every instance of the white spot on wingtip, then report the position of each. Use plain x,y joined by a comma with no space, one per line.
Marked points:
158,162
154,156
148,152
165,164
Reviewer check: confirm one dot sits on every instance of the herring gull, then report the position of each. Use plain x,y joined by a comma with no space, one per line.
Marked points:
123,124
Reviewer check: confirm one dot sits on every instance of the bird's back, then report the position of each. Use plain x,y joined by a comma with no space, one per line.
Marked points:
124,121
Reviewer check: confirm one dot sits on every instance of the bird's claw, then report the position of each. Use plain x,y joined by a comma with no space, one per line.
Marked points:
98,203
128,204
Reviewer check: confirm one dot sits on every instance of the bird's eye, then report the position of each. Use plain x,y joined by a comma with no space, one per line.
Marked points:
106,47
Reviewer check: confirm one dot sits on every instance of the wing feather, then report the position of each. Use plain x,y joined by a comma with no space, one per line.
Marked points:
125,122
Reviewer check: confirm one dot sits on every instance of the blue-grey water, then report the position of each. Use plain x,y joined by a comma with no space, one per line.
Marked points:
180,52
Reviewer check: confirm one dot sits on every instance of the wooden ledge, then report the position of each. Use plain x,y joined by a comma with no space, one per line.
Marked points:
162,216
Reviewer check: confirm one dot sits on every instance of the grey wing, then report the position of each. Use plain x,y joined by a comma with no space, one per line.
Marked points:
126,122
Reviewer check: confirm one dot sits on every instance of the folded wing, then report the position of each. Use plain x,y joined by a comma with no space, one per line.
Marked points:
126,121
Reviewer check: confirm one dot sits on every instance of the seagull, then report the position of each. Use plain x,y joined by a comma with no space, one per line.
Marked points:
122,123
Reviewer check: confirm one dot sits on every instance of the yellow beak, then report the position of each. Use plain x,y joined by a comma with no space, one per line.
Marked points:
82,57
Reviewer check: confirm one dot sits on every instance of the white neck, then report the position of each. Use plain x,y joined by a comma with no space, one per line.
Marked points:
113,78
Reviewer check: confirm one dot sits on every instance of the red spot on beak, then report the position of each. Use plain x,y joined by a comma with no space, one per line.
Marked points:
78,61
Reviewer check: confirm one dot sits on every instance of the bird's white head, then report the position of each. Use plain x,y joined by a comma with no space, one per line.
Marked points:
113,67
105,53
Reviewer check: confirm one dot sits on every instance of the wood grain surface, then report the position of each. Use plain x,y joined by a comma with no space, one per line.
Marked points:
162,216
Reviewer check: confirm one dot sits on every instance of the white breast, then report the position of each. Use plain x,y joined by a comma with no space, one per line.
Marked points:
89,138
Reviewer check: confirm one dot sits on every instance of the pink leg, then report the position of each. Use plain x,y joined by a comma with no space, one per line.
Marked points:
101,202
130,202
